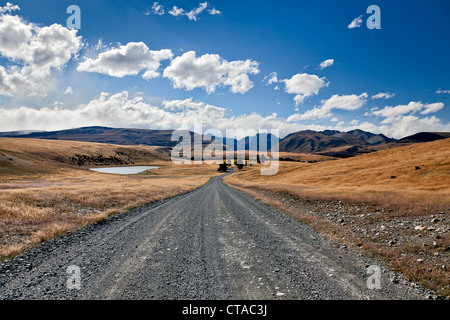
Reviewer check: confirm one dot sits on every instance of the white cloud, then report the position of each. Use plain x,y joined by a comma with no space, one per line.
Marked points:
344,102
68,91
401,120
9,8
100,46
127,60
40,48
158,9
312,114
397,127
401,126
271,78
34,53
121,110
193,14
440,91
177,11
304,85
383,95
209,71
412,108
326,64
356,23
432,108
214,12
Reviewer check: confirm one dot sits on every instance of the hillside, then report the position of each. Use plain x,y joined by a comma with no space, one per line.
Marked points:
319,142
371,138
422,166
424,137
107,135
46,189
32,156
392,204
331,143
348,144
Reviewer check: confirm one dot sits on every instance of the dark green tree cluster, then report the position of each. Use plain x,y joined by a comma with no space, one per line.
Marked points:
223,167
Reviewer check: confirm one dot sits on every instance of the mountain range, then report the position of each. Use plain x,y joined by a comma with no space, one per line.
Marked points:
328,142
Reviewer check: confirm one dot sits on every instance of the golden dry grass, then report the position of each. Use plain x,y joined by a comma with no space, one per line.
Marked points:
34,156
405,184
41,198
304,157
35,148
415,177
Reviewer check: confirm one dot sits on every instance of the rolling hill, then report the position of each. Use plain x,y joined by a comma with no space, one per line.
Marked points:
332,143
24,156
106,135
347,144
327,143
424,137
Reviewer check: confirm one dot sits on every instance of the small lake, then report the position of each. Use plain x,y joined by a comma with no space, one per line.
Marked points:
123,170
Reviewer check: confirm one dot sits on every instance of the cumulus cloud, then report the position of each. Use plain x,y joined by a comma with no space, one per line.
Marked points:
9,8
210,71
412,107
121,110
440,91
312,114
33,53
404,120
326,64
383,95
214,12
177,11
271,78
304,85
395,127
158,9
402,126
344,102
192,15
356,23
129,59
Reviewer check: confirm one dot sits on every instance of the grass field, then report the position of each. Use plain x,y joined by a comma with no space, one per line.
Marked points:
46,190
393,204
413,179
42,196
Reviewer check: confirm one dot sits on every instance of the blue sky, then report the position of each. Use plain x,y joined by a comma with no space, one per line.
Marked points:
230,64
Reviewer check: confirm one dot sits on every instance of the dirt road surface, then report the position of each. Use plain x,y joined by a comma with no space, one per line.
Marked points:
211,243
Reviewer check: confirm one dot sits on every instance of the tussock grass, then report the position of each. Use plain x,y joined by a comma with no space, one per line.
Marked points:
42,197
406,185
368,178
49,206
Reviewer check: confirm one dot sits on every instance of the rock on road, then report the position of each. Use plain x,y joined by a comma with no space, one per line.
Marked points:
211,243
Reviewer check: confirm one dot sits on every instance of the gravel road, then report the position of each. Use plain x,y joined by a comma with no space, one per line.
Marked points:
211,243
